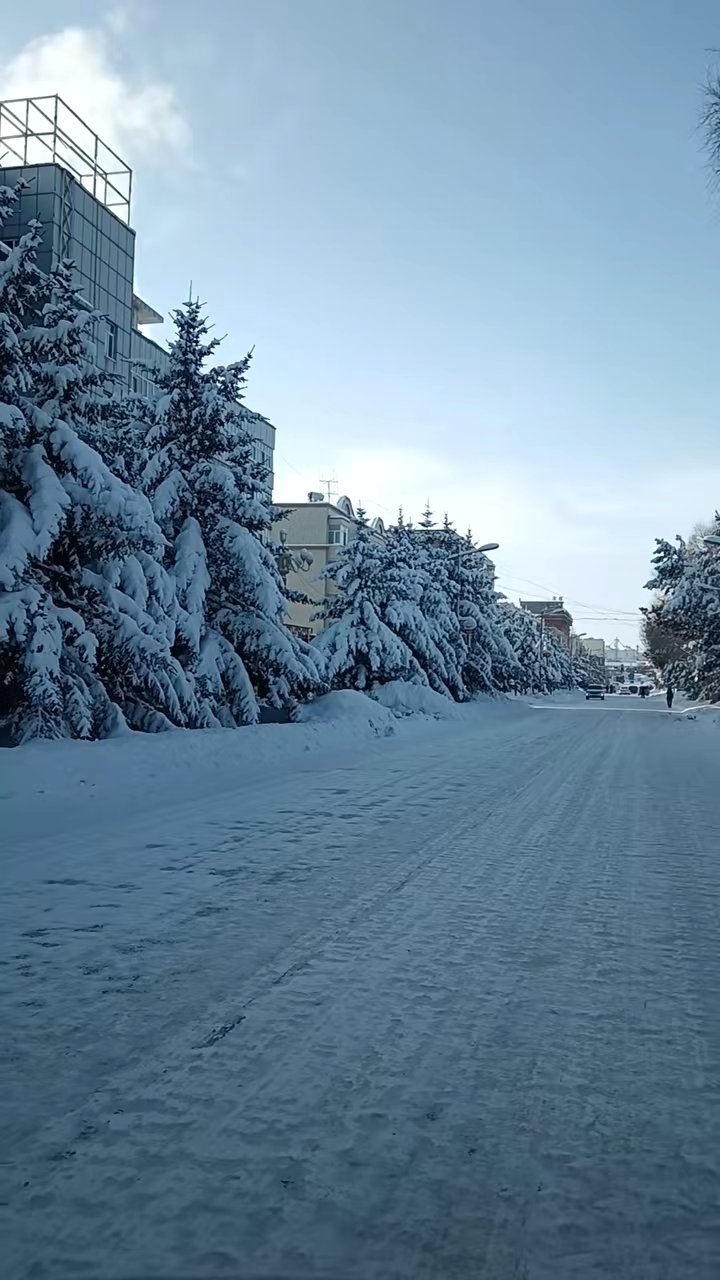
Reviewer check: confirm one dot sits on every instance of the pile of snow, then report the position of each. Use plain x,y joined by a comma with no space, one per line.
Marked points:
346,707
405,699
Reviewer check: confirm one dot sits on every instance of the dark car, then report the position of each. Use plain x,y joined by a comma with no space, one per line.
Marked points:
595,691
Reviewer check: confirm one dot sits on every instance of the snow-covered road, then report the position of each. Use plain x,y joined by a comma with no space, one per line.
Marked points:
438,1005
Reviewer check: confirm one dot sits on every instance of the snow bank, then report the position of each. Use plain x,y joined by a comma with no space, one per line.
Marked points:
346,707
405,699
74,782
50,786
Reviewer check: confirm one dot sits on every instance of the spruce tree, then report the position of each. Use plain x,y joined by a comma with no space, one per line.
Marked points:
77,545
687,578
406,604
440,603
210,498
360,650
427,521
524,635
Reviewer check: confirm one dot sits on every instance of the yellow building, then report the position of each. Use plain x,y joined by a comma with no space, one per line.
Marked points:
313,532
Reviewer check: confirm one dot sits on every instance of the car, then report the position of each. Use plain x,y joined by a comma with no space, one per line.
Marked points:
594,691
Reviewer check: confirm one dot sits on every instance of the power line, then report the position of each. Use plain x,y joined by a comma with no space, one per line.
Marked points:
584,604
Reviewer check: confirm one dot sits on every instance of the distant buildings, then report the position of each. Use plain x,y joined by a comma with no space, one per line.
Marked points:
555,617
79,190
595,648
622,653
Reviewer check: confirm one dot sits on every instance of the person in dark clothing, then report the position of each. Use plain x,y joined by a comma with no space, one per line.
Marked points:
669,696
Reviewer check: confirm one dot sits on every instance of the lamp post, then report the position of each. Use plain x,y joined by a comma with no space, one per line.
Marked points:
467,625
574,637
711,540
289,563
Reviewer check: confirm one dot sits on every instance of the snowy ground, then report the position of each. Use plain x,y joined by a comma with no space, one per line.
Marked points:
439,1004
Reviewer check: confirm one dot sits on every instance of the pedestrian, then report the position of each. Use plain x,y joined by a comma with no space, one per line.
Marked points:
669,696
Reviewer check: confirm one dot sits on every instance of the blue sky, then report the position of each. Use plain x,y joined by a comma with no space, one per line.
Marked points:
473,244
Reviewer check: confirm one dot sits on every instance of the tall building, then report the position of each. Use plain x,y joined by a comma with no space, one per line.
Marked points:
80,190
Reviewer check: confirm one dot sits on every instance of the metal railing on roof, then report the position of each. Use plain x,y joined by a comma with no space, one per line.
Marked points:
46,130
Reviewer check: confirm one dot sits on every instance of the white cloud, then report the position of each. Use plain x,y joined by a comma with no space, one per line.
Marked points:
76,63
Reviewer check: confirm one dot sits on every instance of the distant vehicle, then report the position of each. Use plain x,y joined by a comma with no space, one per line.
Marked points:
594,691
633,688
624,691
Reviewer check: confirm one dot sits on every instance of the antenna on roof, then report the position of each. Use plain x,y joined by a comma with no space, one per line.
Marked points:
332,487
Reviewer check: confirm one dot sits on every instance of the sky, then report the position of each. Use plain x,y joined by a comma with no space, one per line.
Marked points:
474,245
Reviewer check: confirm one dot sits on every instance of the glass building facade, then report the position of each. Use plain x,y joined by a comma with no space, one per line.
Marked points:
79,192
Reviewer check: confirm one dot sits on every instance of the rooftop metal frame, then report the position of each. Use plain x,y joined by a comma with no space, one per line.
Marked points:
46,130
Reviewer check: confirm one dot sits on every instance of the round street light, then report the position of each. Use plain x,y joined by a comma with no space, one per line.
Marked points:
287,562
467,625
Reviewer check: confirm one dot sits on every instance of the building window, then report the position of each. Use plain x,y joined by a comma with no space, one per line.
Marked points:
110,339
337,536
143,384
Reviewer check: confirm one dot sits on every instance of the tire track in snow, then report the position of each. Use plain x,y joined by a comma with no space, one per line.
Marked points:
498,1059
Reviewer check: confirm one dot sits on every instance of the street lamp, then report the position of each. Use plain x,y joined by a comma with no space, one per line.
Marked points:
486,546
711,540
287,562
574,637
468,625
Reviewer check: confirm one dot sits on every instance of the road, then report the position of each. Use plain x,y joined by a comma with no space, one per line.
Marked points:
442,1005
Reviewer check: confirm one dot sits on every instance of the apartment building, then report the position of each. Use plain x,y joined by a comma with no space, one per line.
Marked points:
312,533
80,191
555,617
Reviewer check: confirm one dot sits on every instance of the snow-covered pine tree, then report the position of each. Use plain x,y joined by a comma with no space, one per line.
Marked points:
557,662
118,434
440,602
491,664
522,632
210,498
427,521
76,544
672,567
687,576
405,603
359,649
465,575
583,669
